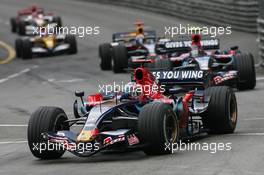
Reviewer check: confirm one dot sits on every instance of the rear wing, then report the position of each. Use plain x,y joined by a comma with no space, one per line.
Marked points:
181,77
116,37
183,46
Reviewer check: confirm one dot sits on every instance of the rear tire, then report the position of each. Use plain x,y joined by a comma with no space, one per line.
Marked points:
22,28
18,47
244,64
71,40
105,55
221,115
13,25
45,119
26,52
120,59
157,125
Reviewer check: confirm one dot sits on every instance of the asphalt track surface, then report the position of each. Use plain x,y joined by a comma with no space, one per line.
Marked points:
26,85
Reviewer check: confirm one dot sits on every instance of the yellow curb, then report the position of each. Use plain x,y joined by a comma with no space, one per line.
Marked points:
11,53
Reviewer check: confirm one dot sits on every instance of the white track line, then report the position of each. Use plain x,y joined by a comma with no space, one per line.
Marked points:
248,134
66,81
260,78
13,142
70,81
252,119
13,125
17,74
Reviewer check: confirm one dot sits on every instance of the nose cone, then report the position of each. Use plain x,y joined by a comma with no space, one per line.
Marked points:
85,136
49,44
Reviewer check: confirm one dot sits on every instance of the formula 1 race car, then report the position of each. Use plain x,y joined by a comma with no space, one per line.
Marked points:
125,47
29,19
140,119
231,68
47,45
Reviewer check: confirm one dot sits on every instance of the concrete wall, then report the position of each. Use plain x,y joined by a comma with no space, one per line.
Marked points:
240,14
261,29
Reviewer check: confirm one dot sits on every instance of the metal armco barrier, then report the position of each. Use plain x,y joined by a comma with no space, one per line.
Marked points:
239,14
261,30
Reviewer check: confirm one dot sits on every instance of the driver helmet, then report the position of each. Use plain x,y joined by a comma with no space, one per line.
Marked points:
139,27
34,8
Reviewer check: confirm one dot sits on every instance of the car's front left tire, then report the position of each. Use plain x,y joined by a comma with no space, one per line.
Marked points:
26,52
45,119
19,47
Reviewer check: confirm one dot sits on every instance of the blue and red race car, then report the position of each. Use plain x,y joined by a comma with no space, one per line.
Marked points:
148,119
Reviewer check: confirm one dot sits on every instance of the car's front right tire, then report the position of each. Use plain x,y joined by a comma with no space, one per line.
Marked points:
244,64
158,127
221,115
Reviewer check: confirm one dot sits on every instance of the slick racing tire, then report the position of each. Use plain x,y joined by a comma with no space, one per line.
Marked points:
26,52
13,25
58,21
21,28
19,47
105,55
244,64
221,115
160,64
120,59
158,126
45,119
71,40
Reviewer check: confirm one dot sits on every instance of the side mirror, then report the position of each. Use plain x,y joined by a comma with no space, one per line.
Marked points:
79,93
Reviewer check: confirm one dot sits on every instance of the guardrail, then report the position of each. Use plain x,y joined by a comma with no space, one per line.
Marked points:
239,14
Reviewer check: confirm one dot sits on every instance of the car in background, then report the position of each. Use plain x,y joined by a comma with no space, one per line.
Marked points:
28,47
232,67
30,18
127,47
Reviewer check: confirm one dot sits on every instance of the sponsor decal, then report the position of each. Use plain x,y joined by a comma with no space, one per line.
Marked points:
110,141
107,140
227,76
184,44
181,75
